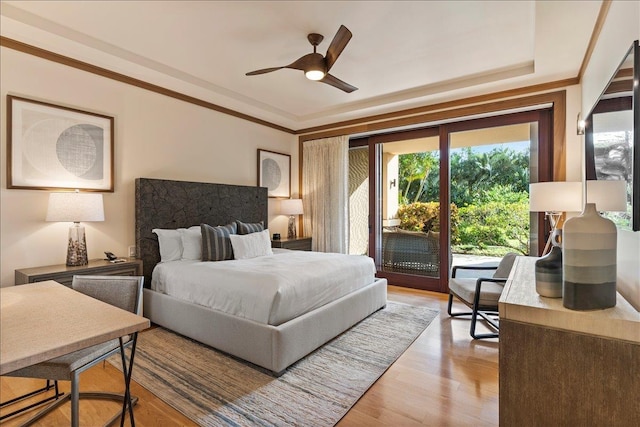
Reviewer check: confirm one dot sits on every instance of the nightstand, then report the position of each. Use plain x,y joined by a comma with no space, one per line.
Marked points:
61,273
296,244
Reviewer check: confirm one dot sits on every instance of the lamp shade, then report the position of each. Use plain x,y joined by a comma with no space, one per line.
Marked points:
291,207
608,196
559,196
75,207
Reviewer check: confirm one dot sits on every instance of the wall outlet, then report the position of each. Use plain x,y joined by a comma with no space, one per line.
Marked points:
132,251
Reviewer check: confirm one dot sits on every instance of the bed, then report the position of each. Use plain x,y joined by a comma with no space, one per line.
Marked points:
271,340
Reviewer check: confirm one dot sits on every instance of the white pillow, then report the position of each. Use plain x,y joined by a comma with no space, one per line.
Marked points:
170,242
191,243
251,245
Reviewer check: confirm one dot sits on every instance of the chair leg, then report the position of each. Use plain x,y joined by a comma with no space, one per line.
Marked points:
75,399
491,323
452,314
75,396
44,389
31,421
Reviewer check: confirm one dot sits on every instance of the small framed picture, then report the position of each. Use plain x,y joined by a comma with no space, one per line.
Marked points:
51,147
274,172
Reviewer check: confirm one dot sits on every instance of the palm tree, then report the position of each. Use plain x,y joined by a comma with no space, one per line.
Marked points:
415,167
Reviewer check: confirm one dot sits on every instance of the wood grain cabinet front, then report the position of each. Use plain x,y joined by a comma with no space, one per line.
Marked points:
296,244
63,274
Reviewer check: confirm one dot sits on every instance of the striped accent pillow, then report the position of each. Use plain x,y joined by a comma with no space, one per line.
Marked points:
216,245
248,228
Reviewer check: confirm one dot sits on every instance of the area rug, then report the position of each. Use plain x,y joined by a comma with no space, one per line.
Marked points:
214,389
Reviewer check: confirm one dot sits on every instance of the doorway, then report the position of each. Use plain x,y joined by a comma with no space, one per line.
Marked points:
417,188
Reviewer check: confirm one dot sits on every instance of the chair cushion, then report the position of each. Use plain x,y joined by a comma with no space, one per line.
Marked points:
465,289
61,367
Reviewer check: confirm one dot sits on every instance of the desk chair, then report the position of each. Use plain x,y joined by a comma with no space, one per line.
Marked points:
480,294
124,292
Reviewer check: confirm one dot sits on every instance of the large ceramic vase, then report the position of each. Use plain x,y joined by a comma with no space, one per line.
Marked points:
589,261
549,274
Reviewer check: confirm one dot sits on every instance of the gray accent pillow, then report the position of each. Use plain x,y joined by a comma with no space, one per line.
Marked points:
216,245
248,228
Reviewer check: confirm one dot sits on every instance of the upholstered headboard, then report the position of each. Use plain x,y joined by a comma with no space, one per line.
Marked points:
174,204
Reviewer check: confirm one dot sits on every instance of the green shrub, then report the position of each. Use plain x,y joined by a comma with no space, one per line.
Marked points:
422,216
496,224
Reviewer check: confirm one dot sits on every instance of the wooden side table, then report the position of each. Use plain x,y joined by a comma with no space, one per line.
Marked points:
296,244
61,273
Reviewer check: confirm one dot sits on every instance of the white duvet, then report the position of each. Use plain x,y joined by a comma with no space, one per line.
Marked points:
269,289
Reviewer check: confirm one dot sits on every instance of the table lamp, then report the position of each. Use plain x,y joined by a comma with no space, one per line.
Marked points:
554,198
75,207
291,207
609,196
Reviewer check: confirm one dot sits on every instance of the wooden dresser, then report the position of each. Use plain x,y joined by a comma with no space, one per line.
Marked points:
64,274
560,367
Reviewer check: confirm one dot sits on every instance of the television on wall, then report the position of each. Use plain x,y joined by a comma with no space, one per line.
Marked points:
612,136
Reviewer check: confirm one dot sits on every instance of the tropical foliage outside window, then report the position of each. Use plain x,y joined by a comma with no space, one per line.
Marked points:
489,196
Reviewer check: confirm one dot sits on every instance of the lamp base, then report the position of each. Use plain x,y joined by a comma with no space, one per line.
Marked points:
291,232
589,261
77,249
549,274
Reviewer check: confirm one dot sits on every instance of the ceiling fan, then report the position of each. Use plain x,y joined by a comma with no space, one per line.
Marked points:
315,66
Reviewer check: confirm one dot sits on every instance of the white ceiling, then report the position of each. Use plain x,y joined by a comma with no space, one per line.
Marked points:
403,54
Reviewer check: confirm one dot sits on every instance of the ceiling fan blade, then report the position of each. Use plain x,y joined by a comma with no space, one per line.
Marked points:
337,45
298,64
303,62
336,82
263,71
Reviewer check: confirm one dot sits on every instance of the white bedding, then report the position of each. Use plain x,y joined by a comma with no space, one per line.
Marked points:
270,289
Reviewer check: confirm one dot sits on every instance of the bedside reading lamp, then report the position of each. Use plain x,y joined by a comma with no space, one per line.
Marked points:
291,207
75,207
554,198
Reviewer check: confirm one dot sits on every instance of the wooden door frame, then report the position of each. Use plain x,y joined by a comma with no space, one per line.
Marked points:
545,173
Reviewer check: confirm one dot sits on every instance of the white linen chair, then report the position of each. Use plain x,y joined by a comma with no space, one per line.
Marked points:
124,292
480,294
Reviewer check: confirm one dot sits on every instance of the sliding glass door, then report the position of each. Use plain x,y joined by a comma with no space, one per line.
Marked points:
408,249
451,186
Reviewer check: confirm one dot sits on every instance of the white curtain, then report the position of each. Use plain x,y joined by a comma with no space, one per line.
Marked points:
325,193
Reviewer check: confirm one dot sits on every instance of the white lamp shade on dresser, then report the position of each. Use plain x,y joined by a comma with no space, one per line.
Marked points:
558,196
608,196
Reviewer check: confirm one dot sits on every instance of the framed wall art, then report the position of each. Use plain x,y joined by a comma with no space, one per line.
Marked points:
274,172
54,147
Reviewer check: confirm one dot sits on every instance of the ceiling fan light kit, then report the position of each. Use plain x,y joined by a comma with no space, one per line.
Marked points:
315,75
315,66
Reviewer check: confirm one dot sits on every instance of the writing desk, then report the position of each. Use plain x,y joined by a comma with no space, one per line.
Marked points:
43,320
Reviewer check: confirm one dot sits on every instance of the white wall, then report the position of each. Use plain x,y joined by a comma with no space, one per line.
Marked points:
155,137
620,29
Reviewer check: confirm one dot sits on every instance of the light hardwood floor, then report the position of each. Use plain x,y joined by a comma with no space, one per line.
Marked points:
444,378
